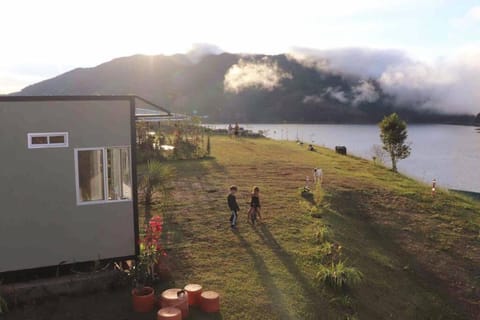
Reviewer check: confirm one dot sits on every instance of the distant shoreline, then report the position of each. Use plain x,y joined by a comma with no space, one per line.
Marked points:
337,123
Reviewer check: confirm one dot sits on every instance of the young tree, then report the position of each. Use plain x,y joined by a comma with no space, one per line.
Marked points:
153,177
393,132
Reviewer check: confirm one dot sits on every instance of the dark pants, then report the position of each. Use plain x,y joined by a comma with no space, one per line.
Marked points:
233,217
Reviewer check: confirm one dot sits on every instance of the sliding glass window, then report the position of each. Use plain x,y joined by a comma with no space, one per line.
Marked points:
119,177
103,174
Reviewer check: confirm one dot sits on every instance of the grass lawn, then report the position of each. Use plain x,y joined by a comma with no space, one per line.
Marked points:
419,255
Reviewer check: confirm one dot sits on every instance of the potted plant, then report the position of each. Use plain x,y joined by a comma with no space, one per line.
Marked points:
161,269
143,298
143,272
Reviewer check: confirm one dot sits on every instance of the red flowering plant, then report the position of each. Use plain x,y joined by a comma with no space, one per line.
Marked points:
150,252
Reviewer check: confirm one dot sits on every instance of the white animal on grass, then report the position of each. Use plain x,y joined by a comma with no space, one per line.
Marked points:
317,175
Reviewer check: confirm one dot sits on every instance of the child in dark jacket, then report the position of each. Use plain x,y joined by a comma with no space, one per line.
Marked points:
233,206
255,205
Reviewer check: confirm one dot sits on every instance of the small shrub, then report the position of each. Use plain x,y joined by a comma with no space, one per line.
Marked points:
317,257
152,178
307,208
339,276
322,234
326,248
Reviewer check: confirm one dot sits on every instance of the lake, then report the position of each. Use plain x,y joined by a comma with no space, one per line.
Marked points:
448,153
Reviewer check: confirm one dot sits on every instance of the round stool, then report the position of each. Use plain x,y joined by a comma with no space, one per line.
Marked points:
169,313
194,294
210,301
177,298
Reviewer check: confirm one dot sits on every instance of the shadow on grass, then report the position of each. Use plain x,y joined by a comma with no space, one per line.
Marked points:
307,195
313,306
176,235
197,314
265,277
197,166
357,211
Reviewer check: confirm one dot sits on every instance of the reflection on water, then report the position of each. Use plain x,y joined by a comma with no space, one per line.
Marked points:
450,154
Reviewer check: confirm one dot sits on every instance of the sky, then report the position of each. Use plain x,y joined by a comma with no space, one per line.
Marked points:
41,39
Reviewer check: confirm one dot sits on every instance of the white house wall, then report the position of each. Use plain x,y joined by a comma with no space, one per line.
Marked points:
40,221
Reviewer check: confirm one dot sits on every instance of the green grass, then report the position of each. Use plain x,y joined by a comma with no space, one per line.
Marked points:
339,275
419,255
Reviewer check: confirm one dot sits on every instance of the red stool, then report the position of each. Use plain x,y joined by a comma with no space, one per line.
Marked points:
177,298
169,313
194,294
210,301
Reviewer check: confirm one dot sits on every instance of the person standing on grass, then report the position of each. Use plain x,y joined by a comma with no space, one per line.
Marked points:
255,205
233,206
236,130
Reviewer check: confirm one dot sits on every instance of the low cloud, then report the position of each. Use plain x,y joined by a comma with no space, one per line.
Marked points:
364,92
313,99
263,74
364,62
336,94
445,85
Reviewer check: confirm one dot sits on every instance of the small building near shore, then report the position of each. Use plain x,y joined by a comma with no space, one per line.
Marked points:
68,190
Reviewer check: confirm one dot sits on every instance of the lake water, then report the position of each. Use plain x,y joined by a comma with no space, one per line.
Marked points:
450,154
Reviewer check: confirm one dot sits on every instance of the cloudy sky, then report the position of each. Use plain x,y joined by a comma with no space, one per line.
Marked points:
41,39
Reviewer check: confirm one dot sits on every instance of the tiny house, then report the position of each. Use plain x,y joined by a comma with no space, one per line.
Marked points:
68,179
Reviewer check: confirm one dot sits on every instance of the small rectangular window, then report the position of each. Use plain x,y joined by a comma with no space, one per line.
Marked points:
39,140
48,140
56,140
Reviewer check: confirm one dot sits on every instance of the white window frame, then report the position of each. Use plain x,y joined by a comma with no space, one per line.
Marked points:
105,176
48,144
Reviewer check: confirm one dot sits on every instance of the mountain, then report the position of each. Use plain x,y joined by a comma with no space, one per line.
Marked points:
245,88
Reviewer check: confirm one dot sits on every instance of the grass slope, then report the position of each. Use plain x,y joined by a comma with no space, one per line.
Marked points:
420,255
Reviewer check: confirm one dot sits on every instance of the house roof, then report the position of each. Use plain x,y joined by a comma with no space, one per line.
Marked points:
145,108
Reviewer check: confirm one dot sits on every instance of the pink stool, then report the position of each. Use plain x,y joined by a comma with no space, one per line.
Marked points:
210,301
194,294
169,313
177,298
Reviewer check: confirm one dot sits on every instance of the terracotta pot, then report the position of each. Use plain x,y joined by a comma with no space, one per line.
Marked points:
210,301
143,299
